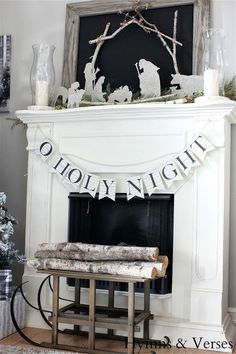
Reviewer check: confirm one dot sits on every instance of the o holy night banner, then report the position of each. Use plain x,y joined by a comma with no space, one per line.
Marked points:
155,180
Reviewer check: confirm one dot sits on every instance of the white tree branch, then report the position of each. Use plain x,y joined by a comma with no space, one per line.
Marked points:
174,44
99,44
152,28
105,38
148,27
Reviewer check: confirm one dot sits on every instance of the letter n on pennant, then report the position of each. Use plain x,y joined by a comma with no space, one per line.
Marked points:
134,187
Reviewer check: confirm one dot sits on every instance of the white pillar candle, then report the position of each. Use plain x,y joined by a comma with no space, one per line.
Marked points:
211,83
41,93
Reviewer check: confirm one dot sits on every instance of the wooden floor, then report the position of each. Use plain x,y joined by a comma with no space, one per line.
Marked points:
39,335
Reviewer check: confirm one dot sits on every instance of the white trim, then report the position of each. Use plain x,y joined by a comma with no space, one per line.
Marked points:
122,112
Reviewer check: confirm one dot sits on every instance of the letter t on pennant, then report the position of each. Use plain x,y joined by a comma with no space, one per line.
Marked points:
201,146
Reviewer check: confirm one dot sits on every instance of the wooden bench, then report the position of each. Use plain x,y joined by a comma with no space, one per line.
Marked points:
90,315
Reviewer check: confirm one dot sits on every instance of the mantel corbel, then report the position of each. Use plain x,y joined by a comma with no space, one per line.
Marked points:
36,132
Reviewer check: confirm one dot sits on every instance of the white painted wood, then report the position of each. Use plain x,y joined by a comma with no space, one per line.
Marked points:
123,141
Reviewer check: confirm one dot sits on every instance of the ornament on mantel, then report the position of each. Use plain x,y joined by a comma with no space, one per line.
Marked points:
63,93
97,93
70,98
74,95
149,79
93,88
121,95
42,77
90,77
213,67
188,84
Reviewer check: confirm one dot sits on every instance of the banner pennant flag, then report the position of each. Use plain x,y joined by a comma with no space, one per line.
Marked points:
201,146
107,189
170,173
153,181
134,187
45,150
90,184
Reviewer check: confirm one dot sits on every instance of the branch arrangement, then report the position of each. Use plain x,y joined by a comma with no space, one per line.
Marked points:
139,20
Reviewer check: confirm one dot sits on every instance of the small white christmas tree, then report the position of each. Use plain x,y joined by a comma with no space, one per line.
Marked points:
8,253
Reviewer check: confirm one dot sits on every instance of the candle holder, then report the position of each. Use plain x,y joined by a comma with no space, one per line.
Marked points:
42,77
214,79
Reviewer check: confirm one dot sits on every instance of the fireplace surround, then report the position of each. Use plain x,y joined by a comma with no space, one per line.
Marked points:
121,141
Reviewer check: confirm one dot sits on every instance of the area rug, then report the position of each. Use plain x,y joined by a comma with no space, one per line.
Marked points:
8,349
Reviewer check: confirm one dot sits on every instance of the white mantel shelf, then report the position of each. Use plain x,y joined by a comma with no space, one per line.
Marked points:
121,140
134,111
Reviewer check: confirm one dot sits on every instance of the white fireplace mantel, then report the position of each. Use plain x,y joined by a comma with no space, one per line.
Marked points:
132,139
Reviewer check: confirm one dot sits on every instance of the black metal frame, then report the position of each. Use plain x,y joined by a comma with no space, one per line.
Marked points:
39,308
18,329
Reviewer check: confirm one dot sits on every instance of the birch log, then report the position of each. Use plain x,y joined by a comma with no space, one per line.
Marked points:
93,252
148,270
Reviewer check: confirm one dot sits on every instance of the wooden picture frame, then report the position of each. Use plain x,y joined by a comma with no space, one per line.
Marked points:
74,11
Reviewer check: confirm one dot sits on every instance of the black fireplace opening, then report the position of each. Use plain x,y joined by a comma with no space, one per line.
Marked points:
139,222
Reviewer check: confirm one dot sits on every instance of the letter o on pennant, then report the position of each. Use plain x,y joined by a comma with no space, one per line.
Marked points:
45,148
75,175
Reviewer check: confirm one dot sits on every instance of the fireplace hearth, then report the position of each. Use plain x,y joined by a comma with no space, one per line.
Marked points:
139,222
121,141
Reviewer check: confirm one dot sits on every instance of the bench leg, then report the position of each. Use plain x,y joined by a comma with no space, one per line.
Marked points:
146,308
77,301
110,332
92,303
55,307
131,318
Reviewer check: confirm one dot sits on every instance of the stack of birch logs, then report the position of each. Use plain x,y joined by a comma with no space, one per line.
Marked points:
143,262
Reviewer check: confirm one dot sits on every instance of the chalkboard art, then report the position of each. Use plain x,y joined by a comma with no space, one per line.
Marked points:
141,54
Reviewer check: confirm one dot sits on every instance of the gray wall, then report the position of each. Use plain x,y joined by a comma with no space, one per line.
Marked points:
28,22
13,167
36,21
